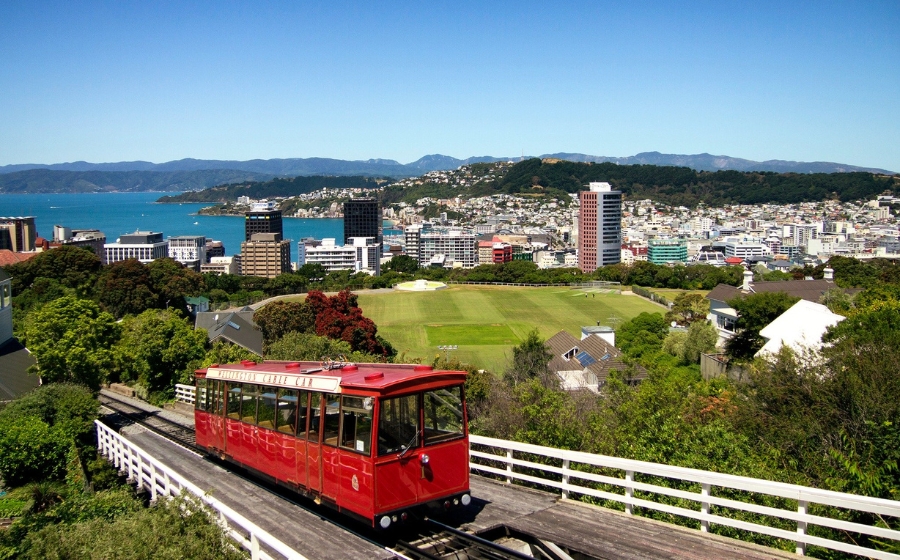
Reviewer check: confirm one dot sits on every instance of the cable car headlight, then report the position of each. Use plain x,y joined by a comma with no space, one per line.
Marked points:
385,522
425,459
466,499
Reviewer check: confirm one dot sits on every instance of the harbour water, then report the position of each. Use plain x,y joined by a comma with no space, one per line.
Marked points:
118,213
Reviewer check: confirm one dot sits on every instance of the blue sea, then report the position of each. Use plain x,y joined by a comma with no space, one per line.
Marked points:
118,213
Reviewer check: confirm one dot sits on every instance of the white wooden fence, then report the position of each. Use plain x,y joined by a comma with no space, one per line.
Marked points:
161,481
498,457
184,393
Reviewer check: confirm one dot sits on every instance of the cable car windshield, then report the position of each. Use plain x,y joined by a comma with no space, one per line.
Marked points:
443,414
398,424
398,420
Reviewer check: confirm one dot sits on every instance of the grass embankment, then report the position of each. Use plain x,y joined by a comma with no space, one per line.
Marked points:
485,322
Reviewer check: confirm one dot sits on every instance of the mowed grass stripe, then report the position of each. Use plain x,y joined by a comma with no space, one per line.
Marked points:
401,317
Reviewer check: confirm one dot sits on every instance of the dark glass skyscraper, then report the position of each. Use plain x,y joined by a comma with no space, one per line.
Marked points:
263,218
362,218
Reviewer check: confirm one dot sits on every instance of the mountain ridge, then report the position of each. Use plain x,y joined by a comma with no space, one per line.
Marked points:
439,162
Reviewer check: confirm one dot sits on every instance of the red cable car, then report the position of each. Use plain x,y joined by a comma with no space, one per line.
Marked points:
375,441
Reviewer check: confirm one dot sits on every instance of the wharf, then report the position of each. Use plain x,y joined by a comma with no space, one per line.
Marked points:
593,531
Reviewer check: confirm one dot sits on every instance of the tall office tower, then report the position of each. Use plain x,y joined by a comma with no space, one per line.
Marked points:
266,254
599,227
263,217
189,250
18,234
362,218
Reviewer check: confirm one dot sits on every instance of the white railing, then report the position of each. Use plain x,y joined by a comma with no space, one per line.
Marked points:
161,481
184,393
571,480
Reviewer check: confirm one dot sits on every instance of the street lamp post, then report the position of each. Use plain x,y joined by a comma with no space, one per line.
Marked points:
447,349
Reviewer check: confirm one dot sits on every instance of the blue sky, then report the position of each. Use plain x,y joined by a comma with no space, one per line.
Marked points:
116,81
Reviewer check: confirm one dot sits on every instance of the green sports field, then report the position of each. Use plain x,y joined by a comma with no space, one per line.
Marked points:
485,322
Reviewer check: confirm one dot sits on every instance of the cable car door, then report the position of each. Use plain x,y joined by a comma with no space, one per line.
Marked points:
330,461
314,444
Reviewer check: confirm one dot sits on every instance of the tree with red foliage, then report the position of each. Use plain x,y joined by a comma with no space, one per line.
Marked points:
338,317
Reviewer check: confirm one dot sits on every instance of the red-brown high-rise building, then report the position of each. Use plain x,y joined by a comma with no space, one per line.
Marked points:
599,227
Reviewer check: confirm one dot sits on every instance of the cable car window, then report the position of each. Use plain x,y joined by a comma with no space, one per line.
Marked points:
219,398
200,400
315,412
398,424
332,419
265,411
302,413
443,414
286,417
356,427
248,403
233,408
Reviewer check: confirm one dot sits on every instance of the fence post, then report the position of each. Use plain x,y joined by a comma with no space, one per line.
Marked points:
565,479
254,547
629,492
704,508
152,482
802,506
509,465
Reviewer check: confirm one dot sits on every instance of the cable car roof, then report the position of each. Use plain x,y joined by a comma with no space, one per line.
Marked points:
329,377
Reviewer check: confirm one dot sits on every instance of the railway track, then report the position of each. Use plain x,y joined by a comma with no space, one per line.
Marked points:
429,540
126,414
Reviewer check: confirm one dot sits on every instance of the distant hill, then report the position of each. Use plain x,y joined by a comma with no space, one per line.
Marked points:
438,162
685,186
279,186
51,181
709,162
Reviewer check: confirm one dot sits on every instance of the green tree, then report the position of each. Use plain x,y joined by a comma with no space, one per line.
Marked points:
688,308
223,352
530,360
755,311
402,263
642,334
278,318
171,281
160,348
307,346
73,267
313,272
126,288
701,339
71,340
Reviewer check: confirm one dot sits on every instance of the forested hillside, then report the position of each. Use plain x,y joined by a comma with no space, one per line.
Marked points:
684,186
291,186
51,181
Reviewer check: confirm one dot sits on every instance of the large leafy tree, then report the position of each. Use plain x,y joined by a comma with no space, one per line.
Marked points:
126,287
71,339
688,308
339,317
530,360
755,311
402,263
73,267
642,334
160,348
278,318
172,282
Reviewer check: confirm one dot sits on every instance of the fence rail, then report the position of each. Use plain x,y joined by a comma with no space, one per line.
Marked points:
161,481
184,393
514,461
569,480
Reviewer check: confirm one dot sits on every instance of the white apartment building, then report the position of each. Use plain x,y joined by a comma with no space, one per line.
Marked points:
189,250
222,265
458,248
361,255
145,246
